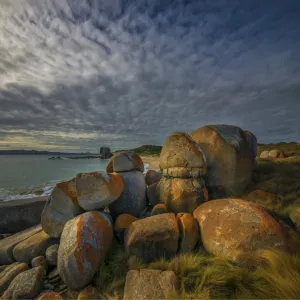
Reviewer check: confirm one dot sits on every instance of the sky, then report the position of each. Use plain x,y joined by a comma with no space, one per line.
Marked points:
78,75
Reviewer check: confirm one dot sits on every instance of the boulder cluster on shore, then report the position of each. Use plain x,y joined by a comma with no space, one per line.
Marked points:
175,210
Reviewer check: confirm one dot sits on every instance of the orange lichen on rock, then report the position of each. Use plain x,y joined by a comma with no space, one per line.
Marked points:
69,188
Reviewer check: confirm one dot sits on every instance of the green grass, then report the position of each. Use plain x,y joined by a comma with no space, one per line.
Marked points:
145,150
268,274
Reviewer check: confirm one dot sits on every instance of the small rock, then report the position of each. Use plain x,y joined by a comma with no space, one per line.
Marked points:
26,285
133,198
84,244
275,153
50,296
189,232
159,209
88,293
51,254
125,162
149,284
40,261
153,237
122,224
9,273
61,206
264,154
152,176
97,190
153,194
32,247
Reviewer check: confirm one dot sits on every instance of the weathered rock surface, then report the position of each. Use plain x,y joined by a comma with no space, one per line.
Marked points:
122,223
7,245
21,214
149,284
159,209
182,195
153,237
26,285
153,194
51,254
61,206
40,261
179,150
84,243
33,246
189,232
229,156
105,153
125,162
96,190
152,176
275,153
264,154
88,293
180,172
295,217
50,296
133,198
252,142
234,228
9,273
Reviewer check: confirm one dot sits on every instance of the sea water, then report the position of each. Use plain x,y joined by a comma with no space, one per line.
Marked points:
26,176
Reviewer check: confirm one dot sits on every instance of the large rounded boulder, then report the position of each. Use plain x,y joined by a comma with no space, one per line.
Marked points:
179,150
182,195
96,190
84,244
235,228
125,162
153,237
229,156
152,177
61,206
133,198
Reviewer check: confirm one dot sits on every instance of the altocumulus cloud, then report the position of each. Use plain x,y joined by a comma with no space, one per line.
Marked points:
79,74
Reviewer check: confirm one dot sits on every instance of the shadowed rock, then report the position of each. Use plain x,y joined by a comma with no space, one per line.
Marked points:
125,162
152,177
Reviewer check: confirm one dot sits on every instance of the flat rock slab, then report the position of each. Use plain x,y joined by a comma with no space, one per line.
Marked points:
7,245
18,215
149,284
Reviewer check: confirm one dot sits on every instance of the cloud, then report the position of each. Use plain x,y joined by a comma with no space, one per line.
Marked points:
126,73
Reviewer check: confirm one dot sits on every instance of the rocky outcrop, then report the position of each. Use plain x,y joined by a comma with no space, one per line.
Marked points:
33,246
125,162
8,244
84,243
97,190
133,198
183,163
152,176
150,284
264,154
189,232
153,237
61,206
9,273
105,153
235,228
229,156
21,214
26,285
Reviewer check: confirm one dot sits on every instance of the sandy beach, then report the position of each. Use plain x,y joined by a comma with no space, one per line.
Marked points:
152,160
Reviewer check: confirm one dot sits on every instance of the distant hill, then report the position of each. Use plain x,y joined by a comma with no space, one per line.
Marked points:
145,150
36,152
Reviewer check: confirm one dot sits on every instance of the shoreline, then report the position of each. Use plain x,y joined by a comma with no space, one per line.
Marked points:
152,161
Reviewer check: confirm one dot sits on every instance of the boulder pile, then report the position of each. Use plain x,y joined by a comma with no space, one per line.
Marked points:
155,216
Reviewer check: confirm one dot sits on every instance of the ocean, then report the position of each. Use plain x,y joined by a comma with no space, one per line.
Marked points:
26,176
